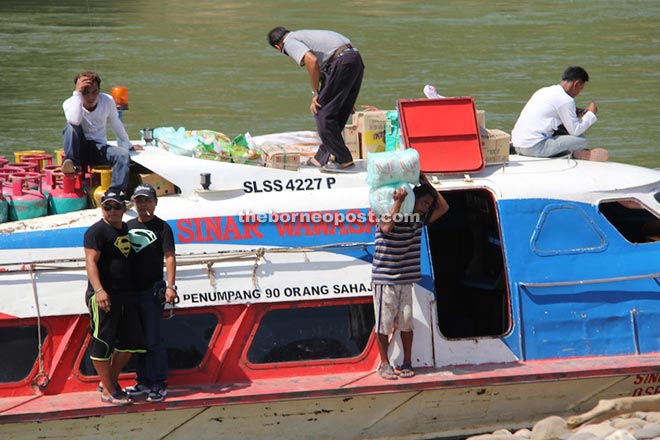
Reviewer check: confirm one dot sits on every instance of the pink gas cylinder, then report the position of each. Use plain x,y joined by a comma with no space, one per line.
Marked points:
25,203
67,195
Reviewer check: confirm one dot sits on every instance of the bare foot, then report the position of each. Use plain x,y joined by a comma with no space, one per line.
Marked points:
596,154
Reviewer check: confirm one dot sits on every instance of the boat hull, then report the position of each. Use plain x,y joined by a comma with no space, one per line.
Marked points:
397,413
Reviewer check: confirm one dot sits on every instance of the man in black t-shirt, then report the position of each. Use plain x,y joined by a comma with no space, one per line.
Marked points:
152,241
116,331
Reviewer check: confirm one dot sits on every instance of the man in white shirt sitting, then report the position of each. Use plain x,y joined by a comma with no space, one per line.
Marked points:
88,112
550,124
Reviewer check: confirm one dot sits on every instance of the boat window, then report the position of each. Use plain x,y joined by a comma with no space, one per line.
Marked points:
312,333
468,267
552,237
632,219
20,345
187,341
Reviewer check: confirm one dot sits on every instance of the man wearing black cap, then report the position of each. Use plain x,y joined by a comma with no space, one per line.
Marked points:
152,240
116,331
335,69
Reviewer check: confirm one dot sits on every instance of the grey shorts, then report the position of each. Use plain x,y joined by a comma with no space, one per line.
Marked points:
555,146
393,307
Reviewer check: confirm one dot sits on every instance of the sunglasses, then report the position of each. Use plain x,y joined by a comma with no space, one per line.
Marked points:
112,206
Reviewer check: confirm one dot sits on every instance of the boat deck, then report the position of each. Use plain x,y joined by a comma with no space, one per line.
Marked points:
85,404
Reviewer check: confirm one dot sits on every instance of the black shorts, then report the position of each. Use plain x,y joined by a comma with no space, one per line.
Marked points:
119,329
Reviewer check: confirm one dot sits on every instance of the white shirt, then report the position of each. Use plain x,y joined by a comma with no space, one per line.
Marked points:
548,108
94,123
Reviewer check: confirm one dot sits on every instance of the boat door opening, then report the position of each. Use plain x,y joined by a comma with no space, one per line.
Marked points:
468,266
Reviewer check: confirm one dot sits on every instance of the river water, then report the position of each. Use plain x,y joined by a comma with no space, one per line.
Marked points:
205,64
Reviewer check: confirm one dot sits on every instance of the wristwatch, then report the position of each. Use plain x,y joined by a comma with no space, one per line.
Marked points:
315,93
173,287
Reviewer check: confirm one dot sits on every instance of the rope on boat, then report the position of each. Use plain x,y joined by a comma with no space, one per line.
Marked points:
41,379
258,256
72,264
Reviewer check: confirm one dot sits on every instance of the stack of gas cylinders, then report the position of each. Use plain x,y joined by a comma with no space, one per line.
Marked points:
32,186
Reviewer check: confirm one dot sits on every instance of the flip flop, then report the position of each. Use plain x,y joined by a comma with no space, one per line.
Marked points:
99,388
119,398
334,167
308,163
387,372
404,371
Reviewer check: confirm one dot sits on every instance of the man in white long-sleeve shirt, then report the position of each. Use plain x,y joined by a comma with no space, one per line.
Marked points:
550,124
88,112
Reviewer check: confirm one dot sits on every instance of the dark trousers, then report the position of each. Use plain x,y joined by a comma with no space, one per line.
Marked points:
85,152
151,367
340,88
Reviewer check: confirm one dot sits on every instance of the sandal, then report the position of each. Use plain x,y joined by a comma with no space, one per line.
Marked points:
120,398
310,163
387,372
404,371
334,166
100,387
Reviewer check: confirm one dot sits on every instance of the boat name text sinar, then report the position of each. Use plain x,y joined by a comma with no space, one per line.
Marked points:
248,226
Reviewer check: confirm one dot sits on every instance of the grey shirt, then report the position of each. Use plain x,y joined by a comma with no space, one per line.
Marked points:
323,45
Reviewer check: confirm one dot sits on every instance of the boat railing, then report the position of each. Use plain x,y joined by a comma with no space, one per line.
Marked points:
586,282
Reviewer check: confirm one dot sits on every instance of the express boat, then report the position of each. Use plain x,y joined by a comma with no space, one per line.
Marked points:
540,295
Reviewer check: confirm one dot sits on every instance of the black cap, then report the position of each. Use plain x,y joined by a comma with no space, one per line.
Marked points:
114,195
144,190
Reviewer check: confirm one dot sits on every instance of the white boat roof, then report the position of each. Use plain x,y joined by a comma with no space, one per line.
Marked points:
520,177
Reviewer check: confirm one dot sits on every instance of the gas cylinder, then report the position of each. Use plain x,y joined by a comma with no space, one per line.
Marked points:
59,156
101,178
42,160
4,205
25,166
51,178
19,154
25,203
66,196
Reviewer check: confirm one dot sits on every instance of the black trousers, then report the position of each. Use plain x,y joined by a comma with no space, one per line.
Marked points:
339,90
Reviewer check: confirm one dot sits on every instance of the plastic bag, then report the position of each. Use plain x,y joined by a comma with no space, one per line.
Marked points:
381,199
393,166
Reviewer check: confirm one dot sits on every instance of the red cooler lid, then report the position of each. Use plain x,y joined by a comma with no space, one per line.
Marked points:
444,132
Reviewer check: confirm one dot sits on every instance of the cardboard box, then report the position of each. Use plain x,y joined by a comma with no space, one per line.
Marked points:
285,157
352,140
371,131
162,186
495,146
